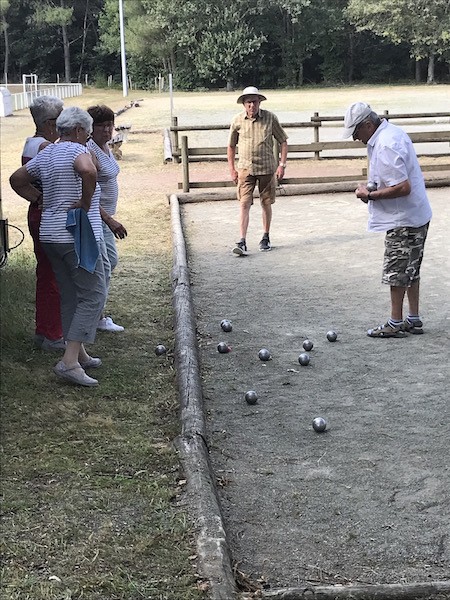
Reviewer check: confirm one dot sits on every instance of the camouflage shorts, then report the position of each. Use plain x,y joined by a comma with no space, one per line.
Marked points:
403,253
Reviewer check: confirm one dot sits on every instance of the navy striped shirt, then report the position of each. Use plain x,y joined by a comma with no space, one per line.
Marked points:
62,187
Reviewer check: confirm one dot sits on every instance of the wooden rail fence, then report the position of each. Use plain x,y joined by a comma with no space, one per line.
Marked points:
187,154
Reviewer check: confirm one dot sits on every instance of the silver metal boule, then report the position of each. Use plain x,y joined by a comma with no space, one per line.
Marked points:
226,326
319,424
160,349
331,336
264,354
304,359
251,397
308,345
371,186
223,348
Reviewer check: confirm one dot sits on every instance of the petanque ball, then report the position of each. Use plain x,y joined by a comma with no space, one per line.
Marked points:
251,397
303,359
371,186
308,345
160,349
331,336
264,354
226,326
223,348
319,424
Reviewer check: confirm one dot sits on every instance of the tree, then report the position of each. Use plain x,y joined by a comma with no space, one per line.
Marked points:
4,7
47,13
423,24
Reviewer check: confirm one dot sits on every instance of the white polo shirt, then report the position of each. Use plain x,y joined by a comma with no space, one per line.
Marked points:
392,159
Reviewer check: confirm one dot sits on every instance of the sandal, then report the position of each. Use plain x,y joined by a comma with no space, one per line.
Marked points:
386,331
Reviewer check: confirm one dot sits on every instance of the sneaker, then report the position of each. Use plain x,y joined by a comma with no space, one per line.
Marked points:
264,244
52,345
74,374
415,328
386,331
240,249
107,324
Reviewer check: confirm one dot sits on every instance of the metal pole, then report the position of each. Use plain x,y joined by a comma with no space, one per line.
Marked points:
123,57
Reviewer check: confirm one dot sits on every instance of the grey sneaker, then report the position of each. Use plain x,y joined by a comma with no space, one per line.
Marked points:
53,345
240,249
264,244
74,374
415,328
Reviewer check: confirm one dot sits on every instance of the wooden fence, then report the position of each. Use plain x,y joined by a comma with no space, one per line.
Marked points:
187,154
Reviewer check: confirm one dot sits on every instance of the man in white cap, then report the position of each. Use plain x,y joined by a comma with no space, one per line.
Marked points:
253,130
398,205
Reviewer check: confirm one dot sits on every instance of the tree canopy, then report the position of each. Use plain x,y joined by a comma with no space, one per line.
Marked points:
203,44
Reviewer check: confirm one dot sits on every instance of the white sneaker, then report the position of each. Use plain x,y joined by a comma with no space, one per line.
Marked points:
107,324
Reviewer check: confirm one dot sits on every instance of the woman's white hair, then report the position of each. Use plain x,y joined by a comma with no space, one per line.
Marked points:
73,117
44,108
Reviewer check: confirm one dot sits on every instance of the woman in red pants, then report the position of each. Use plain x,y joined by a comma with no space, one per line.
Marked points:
48,333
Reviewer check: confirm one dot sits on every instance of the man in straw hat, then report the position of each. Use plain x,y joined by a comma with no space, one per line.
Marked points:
253,130
398,205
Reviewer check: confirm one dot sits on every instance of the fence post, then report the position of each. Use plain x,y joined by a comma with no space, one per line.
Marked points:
185,161
386,115
316,135
175,146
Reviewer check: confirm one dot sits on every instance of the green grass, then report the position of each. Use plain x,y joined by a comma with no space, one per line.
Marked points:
90,479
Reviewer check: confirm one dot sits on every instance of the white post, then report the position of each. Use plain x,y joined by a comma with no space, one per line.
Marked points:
171,96
123,57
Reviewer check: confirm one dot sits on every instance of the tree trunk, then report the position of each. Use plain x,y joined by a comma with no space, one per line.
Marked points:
66,47
430,73
83,47
417,70
6,59
230,86
300,74
351,57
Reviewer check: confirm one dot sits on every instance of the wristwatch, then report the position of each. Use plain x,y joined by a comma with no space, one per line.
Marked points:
283,165
369,196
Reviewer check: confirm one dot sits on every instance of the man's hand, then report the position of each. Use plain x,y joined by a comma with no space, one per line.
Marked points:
234,175
280,172
362,192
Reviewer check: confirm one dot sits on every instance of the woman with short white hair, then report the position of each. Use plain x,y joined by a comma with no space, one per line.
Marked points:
69,181
48,330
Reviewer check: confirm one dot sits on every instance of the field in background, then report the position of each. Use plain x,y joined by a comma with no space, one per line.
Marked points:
91,484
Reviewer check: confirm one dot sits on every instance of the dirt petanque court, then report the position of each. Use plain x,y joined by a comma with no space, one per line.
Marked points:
367,501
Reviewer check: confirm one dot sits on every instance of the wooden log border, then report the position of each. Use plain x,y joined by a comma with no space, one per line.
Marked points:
393,591
214,559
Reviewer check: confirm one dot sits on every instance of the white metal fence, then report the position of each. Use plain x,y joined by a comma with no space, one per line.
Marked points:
60,90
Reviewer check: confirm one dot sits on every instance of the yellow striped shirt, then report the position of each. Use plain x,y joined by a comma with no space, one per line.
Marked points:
254,140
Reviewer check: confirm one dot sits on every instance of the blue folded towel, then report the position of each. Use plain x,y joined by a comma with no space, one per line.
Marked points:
86,247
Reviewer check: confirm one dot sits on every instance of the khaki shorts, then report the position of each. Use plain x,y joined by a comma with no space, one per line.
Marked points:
403,253
247,183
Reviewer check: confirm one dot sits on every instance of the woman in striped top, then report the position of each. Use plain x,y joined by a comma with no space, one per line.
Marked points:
108,169
69,180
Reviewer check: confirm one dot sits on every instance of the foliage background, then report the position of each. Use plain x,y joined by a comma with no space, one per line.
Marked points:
272,43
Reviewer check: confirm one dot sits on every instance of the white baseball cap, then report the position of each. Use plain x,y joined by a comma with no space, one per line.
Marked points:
250,91
356,113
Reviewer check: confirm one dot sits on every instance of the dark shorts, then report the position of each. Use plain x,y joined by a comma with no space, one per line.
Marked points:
247,183
403,253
